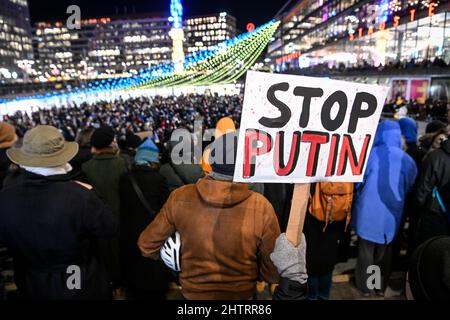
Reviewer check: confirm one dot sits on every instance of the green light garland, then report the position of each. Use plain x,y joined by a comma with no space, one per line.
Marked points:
222,68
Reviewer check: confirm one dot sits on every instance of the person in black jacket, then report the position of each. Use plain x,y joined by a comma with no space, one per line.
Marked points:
408,127
84,151
180,174
49,222
7,139
128,150
435,174
428,276
322,254
144,278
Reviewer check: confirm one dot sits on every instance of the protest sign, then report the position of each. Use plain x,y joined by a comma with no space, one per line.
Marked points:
297,129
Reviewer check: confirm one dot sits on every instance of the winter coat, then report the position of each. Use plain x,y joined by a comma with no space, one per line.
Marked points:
227,234
103,172
435,173
280,195
178,175
4,166
128,156
322,248
380,198
49,224
416,153
84,155
408,128
141,273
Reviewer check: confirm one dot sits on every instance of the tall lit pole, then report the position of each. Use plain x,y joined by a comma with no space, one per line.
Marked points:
177,35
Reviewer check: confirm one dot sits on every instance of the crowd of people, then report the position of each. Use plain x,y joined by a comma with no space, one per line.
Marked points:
163,114
365,66
428,111
93,188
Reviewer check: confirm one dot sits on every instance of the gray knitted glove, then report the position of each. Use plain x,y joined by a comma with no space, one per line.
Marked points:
289,260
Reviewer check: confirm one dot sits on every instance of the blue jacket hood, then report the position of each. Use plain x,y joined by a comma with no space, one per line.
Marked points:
389,176
389,134
409,129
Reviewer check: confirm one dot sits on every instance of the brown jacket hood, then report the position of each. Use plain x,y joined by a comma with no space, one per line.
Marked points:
222,194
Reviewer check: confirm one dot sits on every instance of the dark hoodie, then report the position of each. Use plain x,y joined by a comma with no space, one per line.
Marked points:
227,234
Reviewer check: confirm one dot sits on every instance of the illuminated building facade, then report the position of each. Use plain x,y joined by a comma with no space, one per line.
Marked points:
16,53
119,47
204,32
101,48
354,32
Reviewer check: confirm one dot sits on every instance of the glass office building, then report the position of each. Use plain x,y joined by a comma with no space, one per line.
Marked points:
101,48
16,54
354,32
118,46
204,32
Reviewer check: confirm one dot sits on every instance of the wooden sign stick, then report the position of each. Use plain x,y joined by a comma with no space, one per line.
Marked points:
297,215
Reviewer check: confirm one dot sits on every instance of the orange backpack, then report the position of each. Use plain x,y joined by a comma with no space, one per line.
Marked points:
332,201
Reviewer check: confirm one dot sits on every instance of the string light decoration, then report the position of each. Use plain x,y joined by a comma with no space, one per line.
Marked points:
224,64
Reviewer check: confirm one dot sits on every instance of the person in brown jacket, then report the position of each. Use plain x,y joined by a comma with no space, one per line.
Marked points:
227,233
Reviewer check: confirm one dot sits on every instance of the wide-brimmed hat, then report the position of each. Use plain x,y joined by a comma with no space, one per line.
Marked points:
43,146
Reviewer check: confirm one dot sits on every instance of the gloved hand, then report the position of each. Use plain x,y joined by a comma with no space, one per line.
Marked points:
289,260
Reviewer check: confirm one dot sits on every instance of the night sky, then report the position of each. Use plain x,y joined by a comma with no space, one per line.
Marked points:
256,11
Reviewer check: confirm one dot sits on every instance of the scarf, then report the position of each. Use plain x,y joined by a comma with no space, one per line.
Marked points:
64,169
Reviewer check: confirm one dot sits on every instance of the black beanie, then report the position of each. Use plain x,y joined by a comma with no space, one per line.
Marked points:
223,154
429,270
434,126
133,141
102,137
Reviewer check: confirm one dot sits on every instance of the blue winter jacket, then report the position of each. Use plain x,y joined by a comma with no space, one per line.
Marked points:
408,128
389,176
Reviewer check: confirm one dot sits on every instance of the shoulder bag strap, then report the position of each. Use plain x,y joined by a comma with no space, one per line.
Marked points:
141,196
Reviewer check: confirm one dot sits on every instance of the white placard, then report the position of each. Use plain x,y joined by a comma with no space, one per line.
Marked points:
297,129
